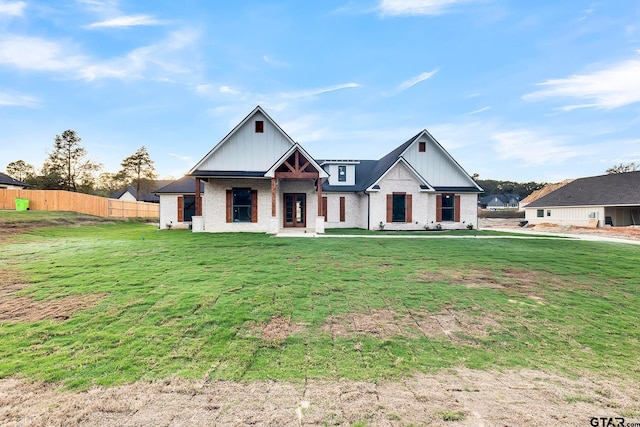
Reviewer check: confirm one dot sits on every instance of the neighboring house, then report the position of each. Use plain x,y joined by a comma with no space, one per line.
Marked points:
258,179
500,201
147,192
541,193
178,202
8,183
594,201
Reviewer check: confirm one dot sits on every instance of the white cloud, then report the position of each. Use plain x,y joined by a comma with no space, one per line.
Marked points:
228,90
533,148
8,100
126,21
34,53
417,7
12,8
415,80
154,62
612,87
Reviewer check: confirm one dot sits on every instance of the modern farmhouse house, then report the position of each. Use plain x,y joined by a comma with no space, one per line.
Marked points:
258,179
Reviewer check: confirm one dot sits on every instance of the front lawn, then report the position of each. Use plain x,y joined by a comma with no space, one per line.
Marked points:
119,302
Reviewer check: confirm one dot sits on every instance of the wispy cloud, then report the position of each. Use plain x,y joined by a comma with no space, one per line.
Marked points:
178,156
479,110
533,148
318,91
415,80
12,8
126,21
8,100
417,7
612,87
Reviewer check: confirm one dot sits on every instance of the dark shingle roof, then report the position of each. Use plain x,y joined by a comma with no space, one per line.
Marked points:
184,185
148,192
7,180
602,190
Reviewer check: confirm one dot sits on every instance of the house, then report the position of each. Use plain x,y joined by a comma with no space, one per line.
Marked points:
500,201
259,179
612,199
8,183
178,202
147,192
541,193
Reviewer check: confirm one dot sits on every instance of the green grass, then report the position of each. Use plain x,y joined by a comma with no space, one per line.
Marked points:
176,303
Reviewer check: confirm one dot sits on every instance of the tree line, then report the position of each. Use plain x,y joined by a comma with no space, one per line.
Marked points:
67,167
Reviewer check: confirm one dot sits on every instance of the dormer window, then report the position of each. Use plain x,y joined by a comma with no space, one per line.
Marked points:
259,126
342,173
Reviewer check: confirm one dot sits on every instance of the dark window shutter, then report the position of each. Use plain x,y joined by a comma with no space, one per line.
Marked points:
180,208
342,206
229,206
324,207
409,207
456,208
439,208
389,207
254,205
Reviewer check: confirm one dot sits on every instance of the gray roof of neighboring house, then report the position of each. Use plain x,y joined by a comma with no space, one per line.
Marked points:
503,197
6,179
603,190
184,185
148,195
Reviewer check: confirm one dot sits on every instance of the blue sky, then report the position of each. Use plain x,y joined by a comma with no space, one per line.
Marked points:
514,90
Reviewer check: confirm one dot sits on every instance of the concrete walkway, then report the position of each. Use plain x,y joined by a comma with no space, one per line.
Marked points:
531,234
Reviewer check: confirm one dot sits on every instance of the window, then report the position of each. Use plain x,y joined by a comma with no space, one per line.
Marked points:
540,213
259,126
448,207
189,207
241,205
342,173
399,210
548,213
422,146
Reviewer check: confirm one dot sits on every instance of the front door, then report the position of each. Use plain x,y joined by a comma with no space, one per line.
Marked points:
295,210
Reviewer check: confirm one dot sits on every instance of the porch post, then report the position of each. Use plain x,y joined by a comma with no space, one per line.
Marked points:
198,199
320,196
273,197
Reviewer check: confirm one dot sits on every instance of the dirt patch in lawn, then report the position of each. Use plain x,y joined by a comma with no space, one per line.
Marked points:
276,330
20,308
457,326
510,398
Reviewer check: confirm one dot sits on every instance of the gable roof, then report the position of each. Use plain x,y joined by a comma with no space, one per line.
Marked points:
184,185
7,180
200,168
603,190
272,170
370,172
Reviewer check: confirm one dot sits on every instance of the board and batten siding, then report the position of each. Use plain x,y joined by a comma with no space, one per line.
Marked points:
247,150
435,166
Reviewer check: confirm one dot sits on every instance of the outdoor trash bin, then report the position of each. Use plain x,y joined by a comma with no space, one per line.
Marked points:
22,204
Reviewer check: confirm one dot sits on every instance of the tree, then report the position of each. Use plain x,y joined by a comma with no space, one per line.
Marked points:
623,167
68,160
20,170
139,170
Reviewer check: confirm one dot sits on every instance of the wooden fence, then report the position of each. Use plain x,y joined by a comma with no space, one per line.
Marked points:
59,200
